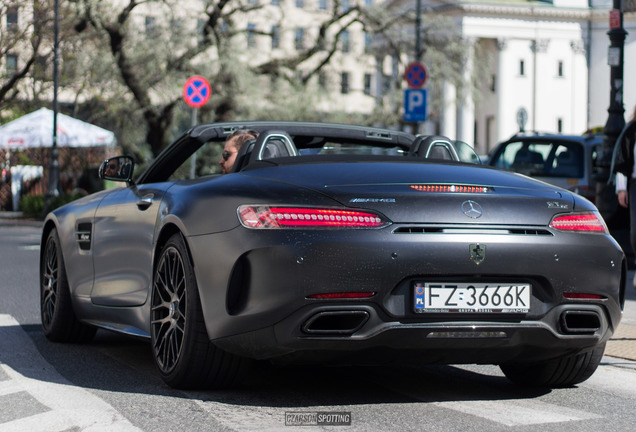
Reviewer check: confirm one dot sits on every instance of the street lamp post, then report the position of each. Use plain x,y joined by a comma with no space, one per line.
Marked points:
54,167
606,198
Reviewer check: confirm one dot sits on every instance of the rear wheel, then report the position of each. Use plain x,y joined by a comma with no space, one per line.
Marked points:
562,372
59,322
181,348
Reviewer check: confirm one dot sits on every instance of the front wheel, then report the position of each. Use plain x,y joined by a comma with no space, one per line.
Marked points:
59,322
181,348
562,372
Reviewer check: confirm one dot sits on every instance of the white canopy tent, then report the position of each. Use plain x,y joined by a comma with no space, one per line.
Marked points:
36,130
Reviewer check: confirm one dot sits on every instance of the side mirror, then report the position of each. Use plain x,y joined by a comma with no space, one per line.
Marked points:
119,168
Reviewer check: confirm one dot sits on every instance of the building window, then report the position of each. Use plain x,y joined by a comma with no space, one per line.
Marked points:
367,84
12,64
200,28
275,36
251,36
522,68
39,68
493,83
560,69
322,80
300,4
70,67
345,43
559,125
177,25
322,4
300,38
386,81
12,18
368,42
150,25
344,82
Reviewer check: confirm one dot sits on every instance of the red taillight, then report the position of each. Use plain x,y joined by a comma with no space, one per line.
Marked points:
344,295
266,217
582,296
580,222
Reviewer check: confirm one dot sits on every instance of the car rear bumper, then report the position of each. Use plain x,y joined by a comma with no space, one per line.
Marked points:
370,339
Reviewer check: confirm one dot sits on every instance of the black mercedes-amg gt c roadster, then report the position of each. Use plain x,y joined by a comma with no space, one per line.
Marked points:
333,244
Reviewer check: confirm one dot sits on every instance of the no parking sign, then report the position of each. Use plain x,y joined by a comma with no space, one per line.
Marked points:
416,75
196,91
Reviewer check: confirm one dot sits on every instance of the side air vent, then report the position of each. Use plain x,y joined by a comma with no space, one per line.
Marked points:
83,236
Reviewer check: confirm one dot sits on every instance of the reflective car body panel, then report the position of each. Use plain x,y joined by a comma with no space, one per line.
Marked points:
323,292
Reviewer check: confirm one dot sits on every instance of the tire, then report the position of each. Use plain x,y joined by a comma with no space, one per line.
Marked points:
59,322
182,351
562,372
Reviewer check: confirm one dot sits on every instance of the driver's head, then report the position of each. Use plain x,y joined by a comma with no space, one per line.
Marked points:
112,167
233,144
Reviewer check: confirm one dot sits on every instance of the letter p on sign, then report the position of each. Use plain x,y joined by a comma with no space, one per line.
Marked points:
414,105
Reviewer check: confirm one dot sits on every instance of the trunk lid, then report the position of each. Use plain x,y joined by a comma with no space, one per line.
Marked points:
415,193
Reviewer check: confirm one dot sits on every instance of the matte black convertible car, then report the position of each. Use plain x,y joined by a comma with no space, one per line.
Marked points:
334,244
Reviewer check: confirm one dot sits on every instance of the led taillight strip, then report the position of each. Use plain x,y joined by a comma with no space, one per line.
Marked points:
266,217
450,188
581,222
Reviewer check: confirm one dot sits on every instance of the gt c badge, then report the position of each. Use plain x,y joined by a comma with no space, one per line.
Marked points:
477,253
557,204
472,209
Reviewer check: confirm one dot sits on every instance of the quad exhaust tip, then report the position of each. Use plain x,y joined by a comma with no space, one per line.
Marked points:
336,322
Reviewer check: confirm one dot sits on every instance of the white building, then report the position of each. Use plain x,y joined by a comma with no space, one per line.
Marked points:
548,60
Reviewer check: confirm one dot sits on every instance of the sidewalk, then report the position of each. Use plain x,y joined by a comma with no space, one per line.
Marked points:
623,343
9,218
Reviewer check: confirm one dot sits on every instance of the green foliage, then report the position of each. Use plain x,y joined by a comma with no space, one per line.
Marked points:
24,159
32,206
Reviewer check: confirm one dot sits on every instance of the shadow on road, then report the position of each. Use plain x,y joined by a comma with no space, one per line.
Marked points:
117,363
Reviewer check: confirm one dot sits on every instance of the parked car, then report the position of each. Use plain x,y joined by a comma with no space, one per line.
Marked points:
567,161
333,244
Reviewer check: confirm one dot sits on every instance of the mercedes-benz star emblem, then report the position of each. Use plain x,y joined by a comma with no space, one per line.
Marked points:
472,209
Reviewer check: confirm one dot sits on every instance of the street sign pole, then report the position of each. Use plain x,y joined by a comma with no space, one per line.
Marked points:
53,186
196,93
418,45
193,158
606,200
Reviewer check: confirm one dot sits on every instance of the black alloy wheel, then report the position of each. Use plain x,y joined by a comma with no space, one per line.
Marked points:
169,309
182,350
59,322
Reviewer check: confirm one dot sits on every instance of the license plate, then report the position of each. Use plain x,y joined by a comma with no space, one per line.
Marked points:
471,298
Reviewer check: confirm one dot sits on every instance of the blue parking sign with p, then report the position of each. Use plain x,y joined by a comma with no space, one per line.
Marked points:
415,105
